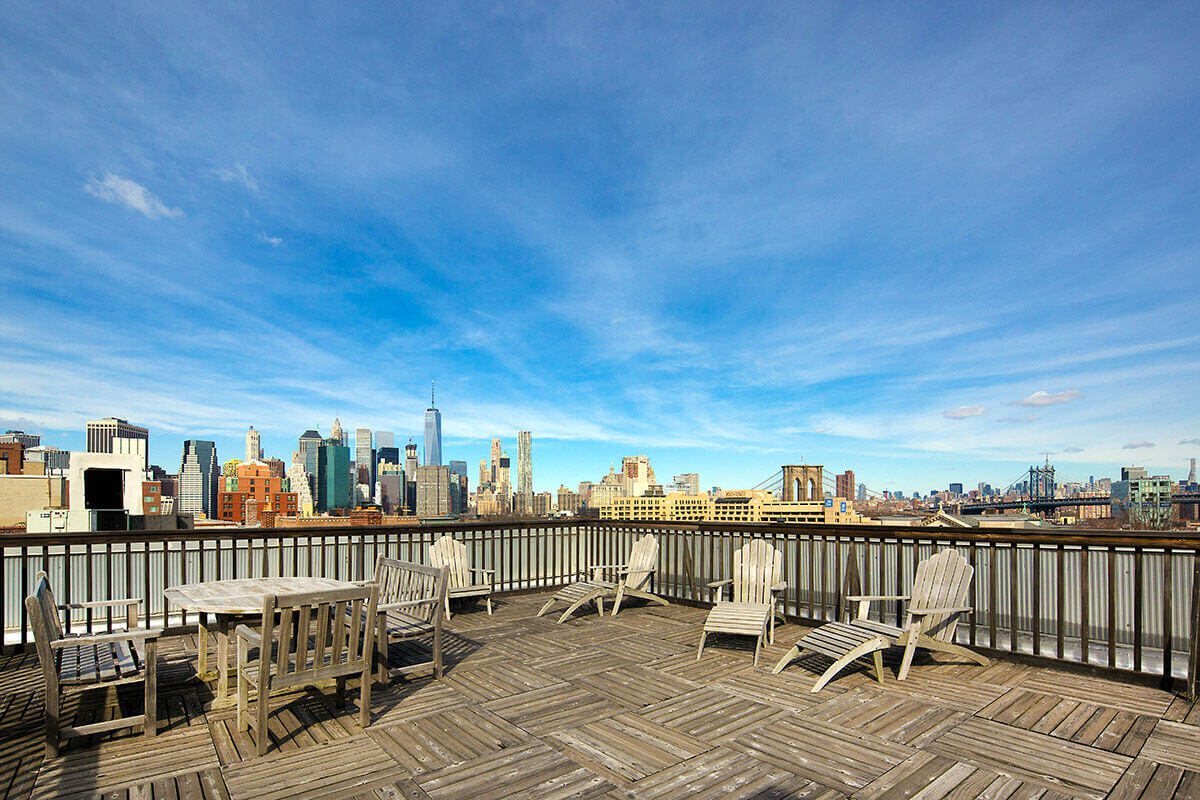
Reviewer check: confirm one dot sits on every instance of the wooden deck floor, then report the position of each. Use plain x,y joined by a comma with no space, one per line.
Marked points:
619,708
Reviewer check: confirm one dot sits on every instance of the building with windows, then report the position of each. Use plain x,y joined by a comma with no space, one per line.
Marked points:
1140,499
433,433
31,440
364,453
198,476
733,506
334,489
433,491
543,504
525,467
568,501
101,434
254,450
688,483
844,484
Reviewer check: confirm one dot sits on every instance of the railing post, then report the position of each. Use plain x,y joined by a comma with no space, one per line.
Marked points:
1193,674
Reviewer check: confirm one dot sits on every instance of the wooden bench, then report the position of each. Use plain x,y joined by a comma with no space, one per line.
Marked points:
412,600
451,554
74,663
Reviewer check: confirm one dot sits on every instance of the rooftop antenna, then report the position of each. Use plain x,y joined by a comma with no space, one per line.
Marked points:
431,404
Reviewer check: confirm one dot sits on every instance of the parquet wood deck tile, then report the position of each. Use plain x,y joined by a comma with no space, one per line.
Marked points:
789,689
450,737
530,772
1056,764
931,777
825,753
1149,780
629,746
1183,710
710,669
311,773
1131,697
296,721
498,679
886,714
712,715
722,774
119,764
578,662
954,693
633,686
659,627
1174,743
1084,723
546,711
412,700
645,647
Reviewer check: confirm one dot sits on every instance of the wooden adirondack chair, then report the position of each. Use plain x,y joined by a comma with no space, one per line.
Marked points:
758,576
446,552
937,603
320,636
74,663
613,580
412,599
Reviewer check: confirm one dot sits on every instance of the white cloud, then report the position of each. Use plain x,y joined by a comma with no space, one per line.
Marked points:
1136,445
274,241
239,174
123,192
1072,449
1189,441
1030,418
963,412
1048,398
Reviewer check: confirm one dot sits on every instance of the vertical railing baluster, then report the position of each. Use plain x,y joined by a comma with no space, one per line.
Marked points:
1138,599
1111,572
1085,606
1167,577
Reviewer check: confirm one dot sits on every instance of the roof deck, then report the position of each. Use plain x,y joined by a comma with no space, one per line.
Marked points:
619,708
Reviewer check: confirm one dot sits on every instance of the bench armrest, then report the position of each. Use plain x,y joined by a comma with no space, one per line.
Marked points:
249,634
144,634
128,601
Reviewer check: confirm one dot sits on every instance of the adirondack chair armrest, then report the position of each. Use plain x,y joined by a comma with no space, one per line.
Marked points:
946,610
249,634
779,587
480,569
718,589
596,569
128,601
144,634
860,597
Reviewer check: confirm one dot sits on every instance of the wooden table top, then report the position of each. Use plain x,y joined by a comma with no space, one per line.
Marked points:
244,595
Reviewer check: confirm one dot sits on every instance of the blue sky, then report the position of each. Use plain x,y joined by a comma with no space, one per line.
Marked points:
928,244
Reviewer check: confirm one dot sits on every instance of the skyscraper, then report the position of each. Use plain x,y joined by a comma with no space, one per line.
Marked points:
364,453
525,463
336,433
433,491
384,439
494,461
102,432
410,461
485,474
459,468
333,476
433,433
198,478
844,485
253,445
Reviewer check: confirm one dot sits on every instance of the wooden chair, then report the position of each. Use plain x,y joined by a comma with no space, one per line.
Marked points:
74,663
320,636
758,573
412,601
446,552
936,605
613,580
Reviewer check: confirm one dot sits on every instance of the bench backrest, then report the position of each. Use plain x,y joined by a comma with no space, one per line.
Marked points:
451,554
942,581
47,627
643,560
404,581
757,566
323,634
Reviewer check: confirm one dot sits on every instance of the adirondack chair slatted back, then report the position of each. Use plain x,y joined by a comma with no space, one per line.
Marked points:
319,634
942,581
757,566
452,554
404,581
643,560
47,628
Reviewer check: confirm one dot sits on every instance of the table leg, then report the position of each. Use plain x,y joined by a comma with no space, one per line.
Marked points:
202,647
222,658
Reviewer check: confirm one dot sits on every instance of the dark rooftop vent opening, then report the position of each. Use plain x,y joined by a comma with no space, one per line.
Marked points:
103,488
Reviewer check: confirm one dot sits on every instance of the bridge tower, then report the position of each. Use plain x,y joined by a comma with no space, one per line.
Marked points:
1041,482
803,482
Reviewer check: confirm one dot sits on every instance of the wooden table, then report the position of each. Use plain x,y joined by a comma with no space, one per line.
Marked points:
229,601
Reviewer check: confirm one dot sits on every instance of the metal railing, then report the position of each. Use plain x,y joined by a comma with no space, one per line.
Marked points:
1115,600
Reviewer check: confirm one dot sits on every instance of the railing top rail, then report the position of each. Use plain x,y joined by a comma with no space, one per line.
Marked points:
1080,537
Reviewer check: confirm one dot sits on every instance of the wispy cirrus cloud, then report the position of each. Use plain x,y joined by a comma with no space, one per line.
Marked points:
1020,420
237,174
130,194
1072,449
1189,441
1137,445
274,241
1039,398
963,412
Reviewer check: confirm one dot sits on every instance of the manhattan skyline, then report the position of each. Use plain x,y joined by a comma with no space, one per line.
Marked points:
923,247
